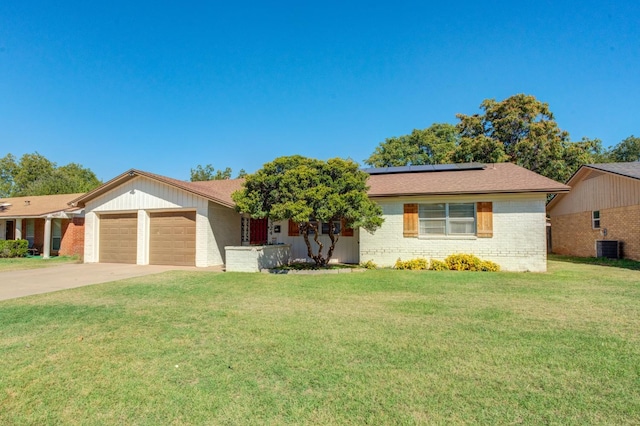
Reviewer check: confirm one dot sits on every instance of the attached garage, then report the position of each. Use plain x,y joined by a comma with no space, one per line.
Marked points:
167,221
118,238
172,238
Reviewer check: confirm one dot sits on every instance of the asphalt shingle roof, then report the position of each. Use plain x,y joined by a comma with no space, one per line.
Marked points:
494,178
631,169
37,205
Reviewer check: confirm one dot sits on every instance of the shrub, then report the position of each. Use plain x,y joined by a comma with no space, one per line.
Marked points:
438,265
417,264
369,264
13,248
463,262
489,266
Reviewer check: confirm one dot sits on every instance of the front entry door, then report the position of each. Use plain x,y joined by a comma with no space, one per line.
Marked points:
258,231
9,233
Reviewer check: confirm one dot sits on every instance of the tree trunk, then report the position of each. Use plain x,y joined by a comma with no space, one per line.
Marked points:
317,257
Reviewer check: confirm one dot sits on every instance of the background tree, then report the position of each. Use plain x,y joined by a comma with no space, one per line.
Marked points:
522,130
626,150
207,172
433,145
8,167
519,129
69,179
310,192
34,174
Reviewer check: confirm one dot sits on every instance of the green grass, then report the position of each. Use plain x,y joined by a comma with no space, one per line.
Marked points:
34,262
380,347
634,265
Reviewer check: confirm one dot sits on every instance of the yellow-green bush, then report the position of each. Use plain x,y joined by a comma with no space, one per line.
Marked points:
438,265
463,262
470,262
417,264
489,266
369,264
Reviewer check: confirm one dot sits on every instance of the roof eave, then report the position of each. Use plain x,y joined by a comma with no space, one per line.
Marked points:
131,174
417,194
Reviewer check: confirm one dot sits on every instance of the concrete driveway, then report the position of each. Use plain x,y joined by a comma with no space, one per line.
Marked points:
15,284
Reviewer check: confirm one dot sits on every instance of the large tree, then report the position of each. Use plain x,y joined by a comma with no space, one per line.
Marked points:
519,129
522,130
434,145
626,150
34,174
310,192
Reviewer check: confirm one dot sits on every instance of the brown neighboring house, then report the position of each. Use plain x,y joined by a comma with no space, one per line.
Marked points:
603,205
48,222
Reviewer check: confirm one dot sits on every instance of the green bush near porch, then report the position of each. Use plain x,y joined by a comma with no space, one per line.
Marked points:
13,248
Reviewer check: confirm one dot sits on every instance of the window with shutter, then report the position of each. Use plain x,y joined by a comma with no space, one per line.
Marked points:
346,232
294,229
410,220
485,219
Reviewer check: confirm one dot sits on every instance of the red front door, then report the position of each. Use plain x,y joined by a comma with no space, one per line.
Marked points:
258,231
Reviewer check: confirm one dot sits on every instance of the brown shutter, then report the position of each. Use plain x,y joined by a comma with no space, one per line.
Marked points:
346,232
294,229
485,219
410,226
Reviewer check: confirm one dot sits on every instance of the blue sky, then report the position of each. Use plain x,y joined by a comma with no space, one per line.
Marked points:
165,86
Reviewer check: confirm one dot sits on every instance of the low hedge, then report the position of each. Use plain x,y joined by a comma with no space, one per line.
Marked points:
454,262
13,248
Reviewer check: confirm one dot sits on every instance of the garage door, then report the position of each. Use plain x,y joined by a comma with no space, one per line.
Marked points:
118,238
173,239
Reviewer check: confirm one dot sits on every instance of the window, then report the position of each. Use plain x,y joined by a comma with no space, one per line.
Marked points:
595,219
336,227
30,232
447,219
56,234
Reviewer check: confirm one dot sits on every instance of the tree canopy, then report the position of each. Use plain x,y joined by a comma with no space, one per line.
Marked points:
208,172
34,174
434,145
519,129
626,150
311,192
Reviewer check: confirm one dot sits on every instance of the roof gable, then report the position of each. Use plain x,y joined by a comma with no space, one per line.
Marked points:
588,171
218,191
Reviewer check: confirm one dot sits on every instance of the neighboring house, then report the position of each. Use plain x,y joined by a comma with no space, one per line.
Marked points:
495,211
50,225
603,205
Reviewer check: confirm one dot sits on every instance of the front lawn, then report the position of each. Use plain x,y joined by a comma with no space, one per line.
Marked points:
34,262
379,347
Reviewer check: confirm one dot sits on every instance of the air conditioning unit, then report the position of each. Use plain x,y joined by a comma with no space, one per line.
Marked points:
608,248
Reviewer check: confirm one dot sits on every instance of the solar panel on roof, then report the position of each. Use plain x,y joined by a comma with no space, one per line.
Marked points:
425,168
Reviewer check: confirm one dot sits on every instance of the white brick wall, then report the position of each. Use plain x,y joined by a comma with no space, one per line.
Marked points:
346,250
518,243
256,258
224,230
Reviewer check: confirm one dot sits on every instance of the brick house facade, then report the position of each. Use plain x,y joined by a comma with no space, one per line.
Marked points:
604,204
50,224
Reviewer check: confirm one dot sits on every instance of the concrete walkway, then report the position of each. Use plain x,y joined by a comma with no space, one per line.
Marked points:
26,282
